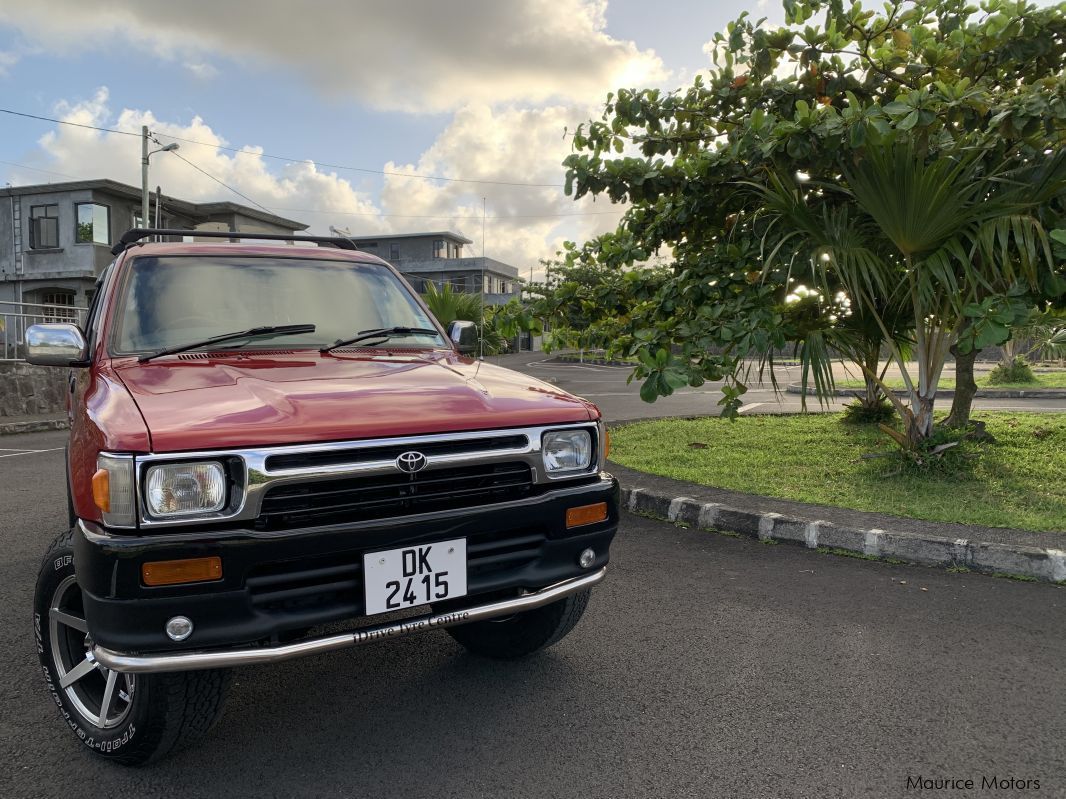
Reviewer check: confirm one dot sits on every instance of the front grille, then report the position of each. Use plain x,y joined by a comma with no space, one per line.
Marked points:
361,498
333,457
332,588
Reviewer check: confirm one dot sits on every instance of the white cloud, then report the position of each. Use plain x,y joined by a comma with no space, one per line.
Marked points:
393,54
201,69
8,59
83,153
525,224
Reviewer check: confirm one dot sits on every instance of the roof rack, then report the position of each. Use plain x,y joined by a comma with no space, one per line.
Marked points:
131,237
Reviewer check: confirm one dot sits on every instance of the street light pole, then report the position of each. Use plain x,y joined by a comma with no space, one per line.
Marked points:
168,148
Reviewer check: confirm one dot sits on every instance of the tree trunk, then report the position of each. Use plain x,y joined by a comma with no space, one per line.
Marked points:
920,424
965,389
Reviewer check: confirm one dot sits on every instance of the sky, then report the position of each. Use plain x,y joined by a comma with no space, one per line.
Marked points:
324,96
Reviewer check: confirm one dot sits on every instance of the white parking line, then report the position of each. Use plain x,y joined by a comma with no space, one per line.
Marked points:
752,406
16,453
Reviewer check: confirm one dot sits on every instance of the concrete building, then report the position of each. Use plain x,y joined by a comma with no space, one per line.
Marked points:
56,238
438,258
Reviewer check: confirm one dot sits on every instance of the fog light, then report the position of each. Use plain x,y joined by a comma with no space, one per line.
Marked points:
586,558
179,628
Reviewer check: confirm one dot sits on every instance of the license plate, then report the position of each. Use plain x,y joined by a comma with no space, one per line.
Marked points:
416,575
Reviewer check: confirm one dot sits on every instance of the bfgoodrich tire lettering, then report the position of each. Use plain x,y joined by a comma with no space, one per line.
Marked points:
523,633
130,719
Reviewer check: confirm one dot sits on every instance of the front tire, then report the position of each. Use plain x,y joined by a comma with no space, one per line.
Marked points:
524,633
130,719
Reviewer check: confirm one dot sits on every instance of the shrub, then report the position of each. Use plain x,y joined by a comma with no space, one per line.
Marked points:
1017,371
860,412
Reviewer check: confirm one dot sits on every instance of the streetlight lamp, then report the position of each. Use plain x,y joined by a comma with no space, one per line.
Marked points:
169,148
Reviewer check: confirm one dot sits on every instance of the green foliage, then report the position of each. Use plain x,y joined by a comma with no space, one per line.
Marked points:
501,322
877,412
1017,371
911,158
814,458
449,305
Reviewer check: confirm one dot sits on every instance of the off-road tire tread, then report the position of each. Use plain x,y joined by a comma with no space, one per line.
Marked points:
183,706
526,632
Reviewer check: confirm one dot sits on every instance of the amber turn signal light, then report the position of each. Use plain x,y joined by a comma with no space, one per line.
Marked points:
188,570
102,490
607,445
586,514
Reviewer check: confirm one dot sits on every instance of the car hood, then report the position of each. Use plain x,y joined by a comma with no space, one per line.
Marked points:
196,401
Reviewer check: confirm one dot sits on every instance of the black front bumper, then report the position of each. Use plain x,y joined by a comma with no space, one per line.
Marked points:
276,584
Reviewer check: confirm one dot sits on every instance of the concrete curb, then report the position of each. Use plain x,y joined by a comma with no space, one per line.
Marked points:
986,393
1045,565
35,426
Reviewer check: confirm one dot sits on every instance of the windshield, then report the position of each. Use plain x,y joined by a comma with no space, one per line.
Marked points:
174,300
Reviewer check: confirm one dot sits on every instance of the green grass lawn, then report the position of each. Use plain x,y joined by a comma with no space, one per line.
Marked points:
1043,380
1020,481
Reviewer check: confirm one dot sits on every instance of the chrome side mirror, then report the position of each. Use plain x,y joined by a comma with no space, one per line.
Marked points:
56,345
463,336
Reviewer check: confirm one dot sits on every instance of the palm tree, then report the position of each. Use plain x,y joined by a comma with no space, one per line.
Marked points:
933,235
448,306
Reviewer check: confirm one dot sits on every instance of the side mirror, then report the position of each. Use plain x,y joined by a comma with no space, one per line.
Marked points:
56,345
463,336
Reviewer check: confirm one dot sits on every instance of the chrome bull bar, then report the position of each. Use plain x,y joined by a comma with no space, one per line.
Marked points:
194,661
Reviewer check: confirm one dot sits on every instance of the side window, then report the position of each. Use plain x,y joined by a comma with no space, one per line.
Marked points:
58,305
92,224
92,318
44,227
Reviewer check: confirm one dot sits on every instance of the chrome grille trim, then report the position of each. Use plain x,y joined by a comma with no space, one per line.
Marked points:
258,478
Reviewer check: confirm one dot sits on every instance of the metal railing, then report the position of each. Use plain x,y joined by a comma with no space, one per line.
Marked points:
16,317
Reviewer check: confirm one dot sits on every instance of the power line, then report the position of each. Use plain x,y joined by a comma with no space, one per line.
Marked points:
38,169
339,212
241,151
473,217
218,181
65,122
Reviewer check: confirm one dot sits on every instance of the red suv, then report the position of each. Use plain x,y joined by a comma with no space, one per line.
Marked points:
266,438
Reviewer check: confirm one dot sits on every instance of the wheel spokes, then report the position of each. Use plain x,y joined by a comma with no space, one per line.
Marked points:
105,703
67,619
87,666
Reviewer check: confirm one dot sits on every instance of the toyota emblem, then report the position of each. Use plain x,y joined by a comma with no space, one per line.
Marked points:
411,462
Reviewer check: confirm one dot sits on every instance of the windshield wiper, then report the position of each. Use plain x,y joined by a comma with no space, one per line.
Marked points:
253,332
382,332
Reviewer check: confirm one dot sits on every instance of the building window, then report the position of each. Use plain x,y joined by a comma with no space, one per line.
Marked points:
438,248
93,224
394,252
44,227
57,304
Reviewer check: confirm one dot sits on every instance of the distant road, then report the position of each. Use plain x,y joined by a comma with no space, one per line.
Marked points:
606,386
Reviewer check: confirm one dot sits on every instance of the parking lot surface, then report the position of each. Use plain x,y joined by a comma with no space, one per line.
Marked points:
705,666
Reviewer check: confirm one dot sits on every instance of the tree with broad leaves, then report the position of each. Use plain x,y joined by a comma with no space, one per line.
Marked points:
910,159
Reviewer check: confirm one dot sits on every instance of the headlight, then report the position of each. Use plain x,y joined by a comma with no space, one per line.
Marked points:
185,489
566,451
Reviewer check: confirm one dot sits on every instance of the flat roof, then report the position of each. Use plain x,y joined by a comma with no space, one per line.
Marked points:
444,234
182,206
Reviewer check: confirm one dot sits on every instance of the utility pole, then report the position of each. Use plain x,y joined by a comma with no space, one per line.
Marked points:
169,148
144,177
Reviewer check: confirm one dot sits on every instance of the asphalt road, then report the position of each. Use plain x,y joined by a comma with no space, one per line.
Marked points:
706,666
606,386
